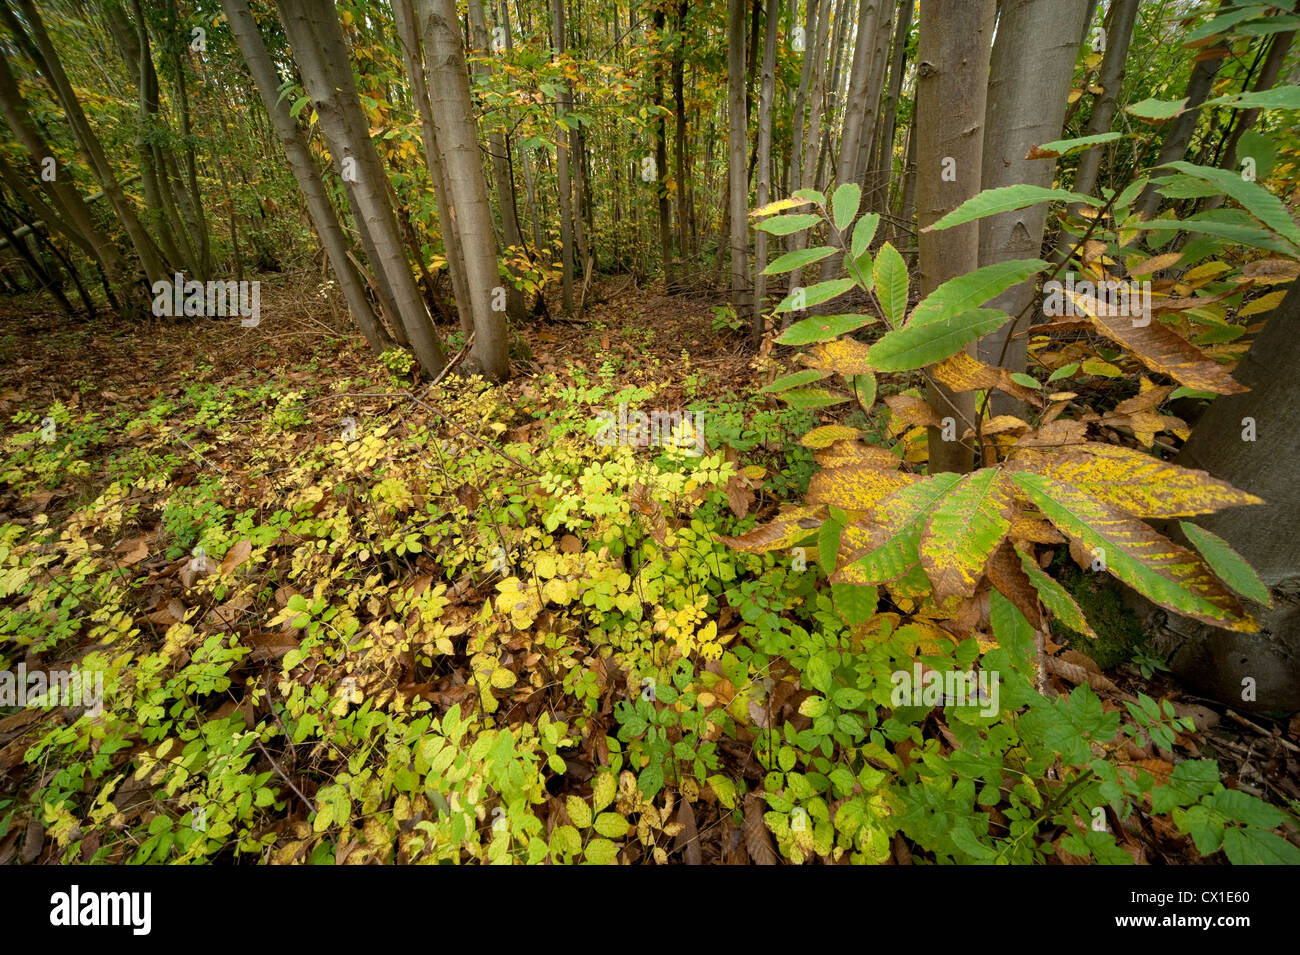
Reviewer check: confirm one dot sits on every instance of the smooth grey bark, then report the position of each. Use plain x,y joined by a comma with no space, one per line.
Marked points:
857,109
951,92
737,136
47,62
1114,62
766,93
76,220
322,56
887,128
1213,660
457,134
413,55
305,172
564,174
1033,63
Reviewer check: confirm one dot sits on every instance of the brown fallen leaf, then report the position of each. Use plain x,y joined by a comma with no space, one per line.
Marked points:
33,841
236,555
688,839
758,841
133,551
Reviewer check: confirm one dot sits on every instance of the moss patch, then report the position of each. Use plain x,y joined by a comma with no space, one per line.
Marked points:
1119,634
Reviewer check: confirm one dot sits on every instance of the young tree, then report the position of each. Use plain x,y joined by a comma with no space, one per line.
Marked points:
737,180
326,69
767,91
457,135
1033,63
305,172
951,89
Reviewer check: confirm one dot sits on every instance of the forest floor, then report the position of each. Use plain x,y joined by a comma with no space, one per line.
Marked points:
208,427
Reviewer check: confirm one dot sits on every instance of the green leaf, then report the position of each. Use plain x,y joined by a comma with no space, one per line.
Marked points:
1225,21
600,852
1150,563
1258,847
811,398
1029,381
812,195
797,259
1279,97
611,825
990,202
1064,147
896,523
891,284
864,232
1055,597
864,389
1255,199
965,293
915,346
1065,371
579,811
1219,224
787,225
814,295
794,380
962,530
1156,109
821,328
844,204
855,603
1227,563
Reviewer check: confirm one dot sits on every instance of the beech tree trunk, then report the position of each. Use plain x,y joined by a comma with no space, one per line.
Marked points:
737,135
305,172
951,89
1033,63
322,57
457,134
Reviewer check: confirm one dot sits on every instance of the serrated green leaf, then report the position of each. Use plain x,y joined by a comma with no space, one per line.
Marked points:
811,398
890,273
991,202
1252,197
821,328
1227,563
863,233
797,259
844,204
814,295
612,825
1279,97
1055,597
965,293
793,380
1156,109
1064,147
788,225
915,346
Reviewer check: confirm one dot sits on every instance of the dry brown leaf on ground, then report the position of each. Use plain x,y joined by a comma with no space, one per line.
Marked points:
758,841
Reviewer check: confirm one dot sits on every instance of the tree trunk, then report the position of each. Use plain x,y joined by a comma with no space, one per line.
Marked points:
661,161
878,193
562,160
457,134
1114,62
1033,64
326,69
737,134
413,55
767,92
305,172
951,90
1251,441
